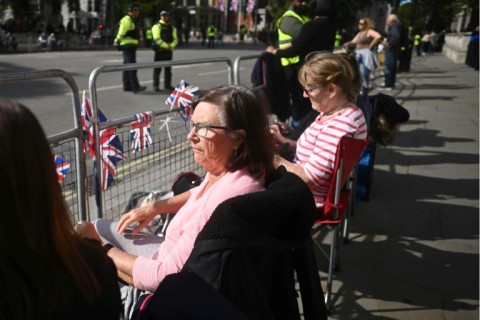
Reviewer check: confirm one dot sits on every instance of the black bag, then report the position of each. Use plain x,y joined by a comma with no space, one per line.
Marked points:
387,115
185,181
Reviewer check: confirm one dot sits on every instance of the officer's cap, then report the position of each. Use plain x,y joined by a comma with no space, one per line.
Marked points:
164,13
133,6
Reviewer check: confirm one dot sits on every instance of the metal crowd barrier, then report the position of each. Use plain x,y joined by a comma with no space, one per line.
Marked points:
154,167
150,169
68,144
236,66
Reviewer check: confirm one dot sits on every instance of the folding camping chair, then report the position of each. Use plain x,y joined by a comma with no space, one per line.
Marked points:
337,202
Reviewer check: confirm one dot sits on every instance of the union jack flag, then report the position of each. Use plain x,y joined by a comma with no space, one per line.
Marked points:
250,5
87,124
140,132
61,167
221,5
111,151
234,5
182,98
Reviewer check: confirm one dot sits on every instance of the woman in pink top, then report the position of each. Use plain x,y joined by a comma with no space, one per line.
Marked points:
328,80
230,139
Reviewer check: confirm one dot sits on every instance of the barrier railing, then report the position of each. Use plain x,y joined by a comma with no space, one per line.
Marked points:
172,149
151,169
236,66
67,144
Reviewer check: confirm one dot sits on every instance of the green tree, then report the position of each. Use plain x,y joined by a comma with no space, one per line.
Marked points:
436,14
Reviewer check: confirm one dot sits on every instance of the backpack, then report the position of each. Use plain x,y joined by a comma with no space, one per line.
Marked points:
387,115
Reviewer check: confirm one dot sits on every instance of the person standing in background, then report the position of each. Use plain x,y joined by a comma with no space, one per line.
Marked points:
127,40
289,26
212,34
365,43
392,51
165,40
418,44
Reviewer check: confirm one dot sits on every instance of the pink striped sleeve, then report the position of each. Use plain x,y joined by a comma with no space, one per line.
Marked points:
317,146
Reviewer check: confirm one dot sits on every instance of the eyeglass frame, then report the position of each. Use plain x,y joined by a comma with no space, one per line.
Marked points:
196,126
309,91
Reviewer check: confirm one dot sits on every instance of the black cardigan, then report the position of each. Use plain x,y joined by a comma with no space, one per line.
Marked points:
249,248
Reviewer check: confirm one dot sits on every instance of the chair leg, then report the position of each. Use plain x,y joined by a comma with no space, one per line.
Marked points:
331,264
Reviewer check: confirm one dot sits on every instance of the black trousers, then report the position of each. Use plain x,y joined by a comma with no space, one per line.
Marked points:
162,55
211,42
129,78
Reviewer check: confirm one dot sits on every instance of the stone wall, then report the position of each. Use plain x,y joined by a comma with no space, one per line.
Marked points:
456,45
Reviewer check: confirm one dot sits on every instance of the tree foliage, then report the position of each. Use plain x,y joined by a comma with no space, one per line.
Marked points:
436,15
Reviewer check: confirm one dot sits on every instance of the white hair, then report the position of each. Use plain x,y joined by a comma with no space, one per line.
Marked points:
393,17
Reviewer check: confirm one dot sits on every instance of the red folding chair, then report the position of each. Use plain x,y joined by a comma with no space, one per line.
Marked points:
336,204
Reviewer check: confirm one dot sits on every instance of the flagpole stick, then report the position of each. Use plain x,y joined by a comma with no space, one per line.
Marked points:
238,18
165,124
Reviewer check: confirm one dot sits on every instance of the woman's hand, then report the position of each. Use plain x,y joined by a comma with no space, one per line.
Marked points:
277,131
271,49
86,229
142,215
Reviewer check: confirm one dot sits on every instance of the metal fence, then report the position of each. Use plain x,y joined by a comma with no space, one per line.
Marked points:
156,166
68,144
153,168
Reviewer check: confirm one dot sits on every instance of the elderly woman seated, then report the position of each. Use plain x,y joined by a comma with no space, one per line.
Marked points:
230,139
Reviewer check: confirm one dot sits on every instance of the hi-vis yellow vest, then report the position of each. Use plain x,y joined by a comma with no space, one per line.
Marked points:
284,39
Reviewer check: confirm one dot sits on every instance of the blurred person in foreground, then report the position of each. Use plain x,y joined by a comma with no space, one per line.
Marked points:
47,271
329,82
230,139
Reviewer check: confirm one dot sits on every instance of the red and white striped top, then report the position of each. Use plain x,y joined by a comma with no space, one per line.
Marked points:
317,146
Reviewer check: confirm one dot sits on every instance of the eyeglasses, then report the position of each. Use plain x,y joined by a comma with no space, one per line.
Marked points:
308,91
201,129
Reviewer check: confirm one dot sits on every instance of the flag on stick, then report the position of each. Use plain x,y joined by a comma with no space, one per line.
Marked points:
182,98
86,116
140,132
61,166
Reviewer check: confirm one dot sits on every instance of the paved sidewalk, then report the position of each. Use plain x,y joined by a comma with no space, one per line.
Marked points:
413,252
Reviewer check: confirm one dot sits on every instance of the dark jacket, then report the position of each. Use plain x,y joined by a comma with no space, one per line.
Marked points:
249,248
269,77
315,35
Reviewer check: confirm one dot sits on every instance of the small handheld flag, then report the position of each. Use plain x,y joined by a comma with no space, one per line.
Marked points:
61,166
182,98
140,132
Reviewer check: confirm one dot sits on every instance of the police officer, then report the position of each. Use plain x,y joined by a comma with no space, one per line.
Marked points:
289,26
165,40
127,40
418,44
212,34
